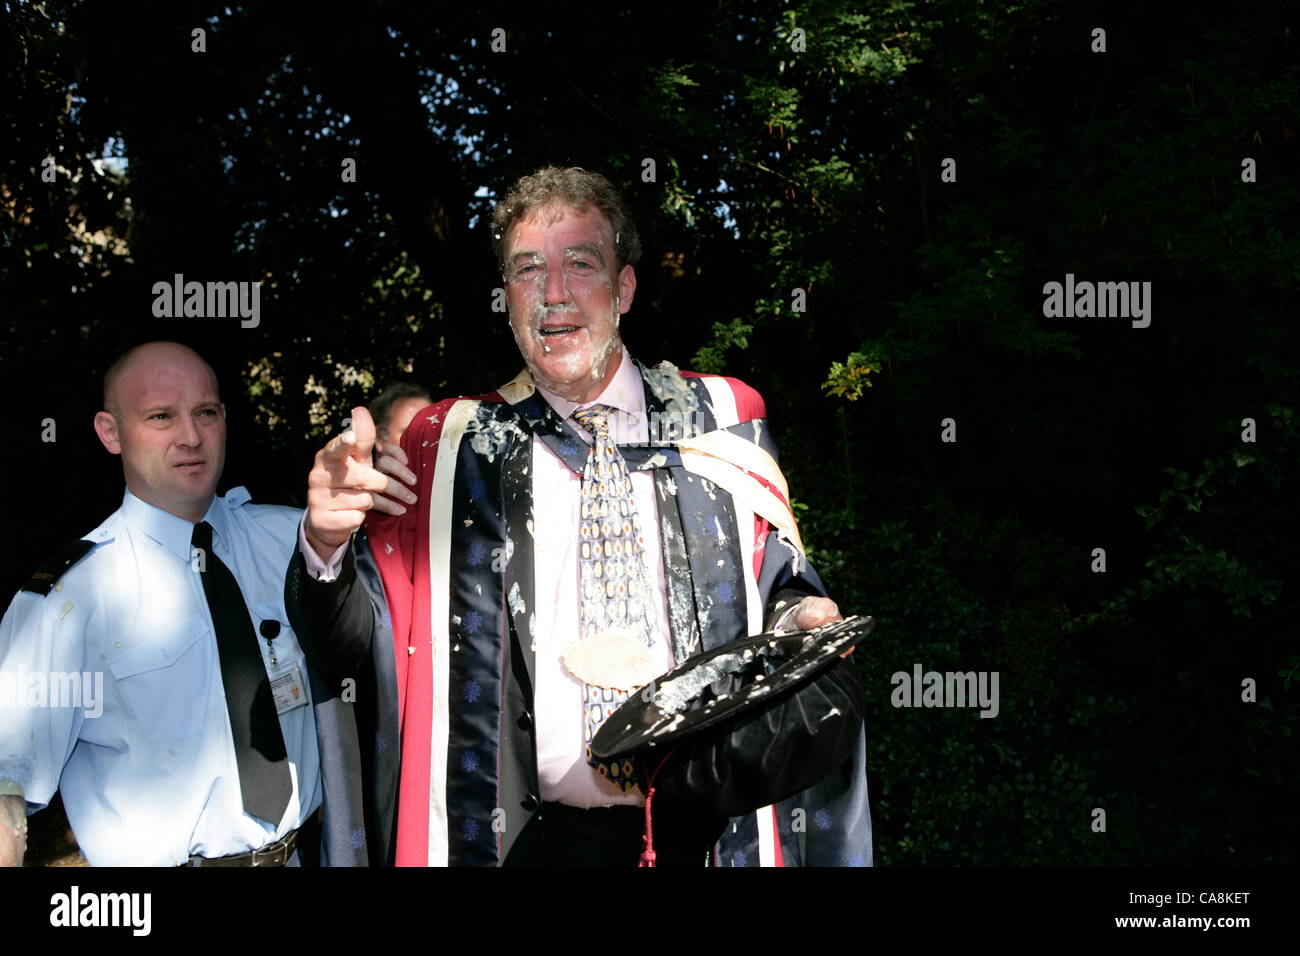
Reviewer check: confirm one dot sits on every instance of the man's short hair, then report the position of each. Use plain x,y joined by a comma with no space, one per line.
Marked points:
573,187
381,407
119,365
111,375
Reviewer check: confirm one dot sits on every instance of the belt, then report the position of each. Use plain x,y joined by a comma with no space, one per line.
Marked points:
273,854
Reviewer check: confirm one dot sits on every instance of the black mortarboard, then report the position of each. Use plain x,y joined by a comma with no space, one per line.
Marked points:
746,724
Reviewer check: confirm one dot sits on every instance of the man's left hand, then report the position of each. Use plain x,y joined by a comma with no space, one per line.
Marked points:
816,611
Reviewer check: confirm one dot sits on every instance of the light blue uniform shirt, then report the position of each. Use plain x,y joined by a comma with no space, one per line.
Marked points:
153,778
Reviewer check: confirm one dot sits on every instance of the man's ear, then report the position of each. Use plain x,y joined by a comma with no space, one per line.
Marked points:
626,288
106,429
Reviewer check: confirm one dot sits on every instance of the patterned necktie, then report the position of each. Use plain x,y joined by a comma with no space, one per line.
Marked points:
264,780
615,592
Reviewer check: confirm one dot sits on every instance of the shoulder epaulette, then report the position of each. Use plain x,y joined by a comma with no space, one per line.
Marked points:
51,571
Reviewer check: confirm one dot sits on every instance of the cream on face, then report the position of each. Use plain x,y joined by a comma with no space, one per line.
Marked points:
565,300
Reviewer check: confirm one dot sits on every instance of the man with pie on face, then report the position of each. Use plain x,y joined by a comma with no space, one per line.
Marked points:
533,555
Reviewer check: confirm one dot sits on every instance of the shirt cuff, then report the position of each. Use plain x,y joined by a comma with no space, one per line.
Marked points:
785,623
318,569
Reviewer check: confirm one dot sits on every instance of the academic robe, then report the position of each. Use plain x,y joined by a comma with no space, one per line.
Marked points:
432,613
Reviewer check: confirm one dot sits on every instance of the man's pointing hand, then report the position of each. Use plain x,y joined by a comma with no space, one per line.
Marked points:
346,481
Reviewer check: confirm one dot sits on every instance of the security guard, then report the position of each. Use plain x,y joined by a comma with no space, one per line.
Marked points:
151,672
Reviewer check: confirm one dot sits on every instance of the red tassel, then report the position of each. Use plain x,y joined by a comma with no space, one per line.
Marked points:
648,838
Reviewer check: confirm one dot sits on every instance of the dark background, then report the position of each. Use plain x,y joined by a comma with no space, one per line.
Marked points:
774,170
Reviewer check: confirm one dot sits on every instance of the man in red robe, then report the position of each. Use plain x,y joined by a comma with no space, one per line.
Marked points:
467,601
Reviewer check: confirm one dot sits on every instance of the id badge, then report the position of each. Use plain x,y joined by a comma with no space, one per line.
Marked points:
288,691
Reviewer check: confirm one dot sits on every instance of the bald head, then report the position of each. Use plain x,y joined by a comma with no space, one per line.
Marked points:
166,420
145,361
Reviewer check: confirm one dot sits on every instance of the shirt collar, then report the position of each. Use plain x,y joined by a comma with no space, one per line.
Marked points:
171,532
625,391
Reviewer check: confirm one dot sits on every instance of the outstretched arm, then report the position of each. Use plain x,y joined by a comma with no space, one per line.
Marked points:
327,604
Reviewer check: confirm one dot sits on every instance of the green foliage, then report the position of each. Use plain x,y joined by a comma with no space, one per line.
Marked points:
953,592
670,83
848,379
1208,503
726,335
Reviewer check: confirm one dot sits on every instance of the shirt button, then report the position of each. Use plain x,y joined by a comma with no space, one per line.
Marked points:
530,803
525,721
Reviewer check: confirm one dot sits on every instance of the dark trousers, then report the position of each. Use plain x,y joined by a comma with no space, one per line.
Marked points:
560,835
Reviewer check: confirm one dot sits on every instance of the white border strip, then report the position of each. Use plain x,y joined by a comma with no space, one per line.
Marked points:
440,493
723,400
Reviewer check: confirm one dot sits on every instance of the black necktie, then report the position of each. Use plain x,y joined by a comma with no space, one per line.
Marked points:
264,778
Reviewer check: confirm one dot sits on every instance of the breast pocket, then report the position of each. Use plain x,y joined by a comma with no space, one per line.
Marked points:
165,680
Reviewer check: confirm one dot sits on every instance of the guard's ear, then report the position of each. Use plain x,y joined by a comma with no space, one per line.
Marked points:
106,429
